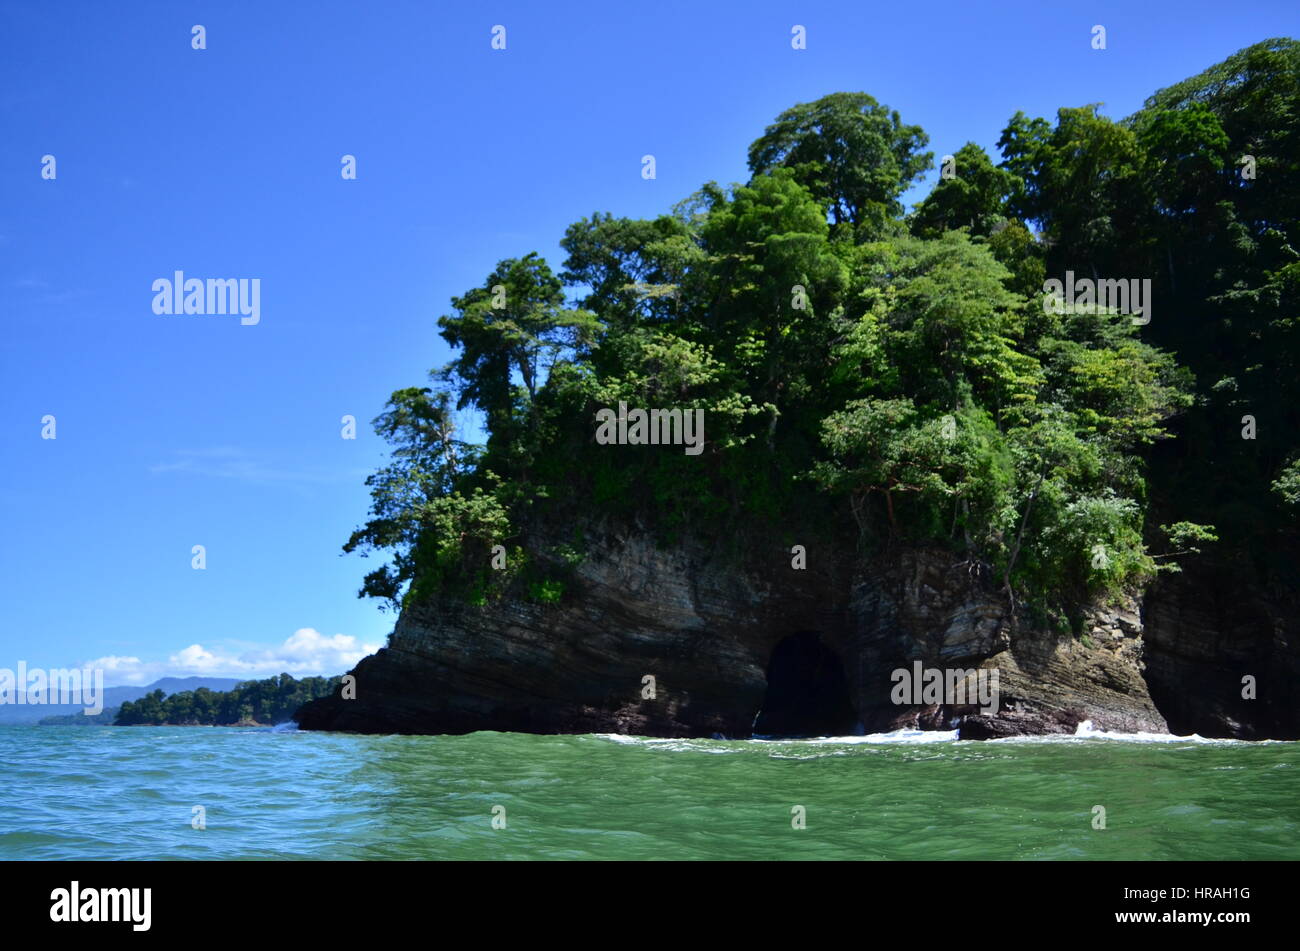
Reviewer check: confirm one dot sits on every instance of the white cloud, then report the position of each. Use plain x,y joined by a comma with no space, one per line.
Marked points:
308,649
305,653
113,662
195,659
125,670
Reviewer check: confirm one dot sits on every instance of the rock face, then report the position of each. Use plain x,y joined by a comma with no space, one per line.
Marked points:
1208,629
683,641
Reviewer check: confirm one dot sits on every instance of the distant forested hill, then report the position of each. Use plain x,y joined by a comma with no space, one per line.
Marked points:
21,712
264,702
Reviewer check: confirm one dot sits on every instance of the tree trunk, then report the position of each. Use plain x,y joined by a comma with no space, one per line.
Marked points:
1015,549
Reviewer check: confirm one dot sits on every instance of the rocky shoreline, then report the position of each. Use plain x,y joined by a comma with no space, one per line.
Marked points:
679,642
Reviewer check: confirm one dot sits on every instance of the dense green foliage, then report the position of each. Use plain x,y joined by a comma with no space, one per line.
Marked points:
898,375
270,701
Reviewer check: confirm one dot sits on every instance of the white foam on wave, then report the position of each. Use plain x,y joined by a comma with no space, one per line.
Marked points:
894,736
733,746
620,738
669,743
1086,731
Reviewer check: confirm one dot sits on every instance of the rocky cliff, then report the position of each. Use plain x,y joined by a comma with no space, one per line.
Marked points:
1221,652
686,641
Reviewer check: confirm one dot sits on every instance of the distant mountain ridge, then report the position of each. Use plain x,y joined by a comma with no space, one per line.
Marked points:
113,697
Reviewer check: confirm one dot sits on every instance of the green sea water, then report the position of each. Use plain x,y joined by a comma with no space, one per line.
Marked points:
130,793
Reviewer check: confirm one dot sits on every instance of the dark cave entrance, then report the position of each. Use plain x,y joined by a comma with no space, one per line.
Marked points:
807,691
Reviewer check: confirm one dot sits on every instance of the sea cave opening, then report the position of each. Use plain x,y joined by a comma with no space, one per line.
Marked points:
807,691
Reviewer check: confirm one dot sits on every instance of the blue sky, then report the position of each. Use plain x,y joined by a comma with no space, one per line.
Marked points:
174,431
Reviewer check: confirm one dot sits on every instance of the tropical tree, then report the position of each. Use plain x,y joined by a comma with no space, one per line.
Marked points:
853,154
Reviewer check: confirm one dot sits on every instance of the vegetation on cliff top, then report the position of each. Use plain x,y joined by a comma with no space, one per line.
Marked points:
898,372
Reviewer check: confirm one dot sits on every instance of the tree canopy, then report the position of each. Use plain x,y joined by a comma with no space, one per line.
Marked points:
854,155
896,375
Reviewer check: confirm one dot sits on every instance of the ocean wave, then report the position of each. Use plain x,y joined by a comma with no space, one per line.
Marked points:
724,745
1085,731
